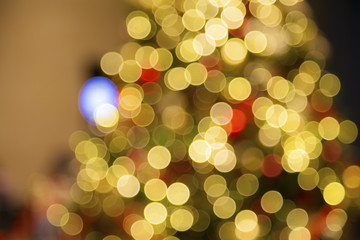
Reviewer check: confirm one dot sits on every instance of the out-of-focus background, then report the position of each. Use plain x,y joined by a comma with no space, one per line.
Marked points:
49,48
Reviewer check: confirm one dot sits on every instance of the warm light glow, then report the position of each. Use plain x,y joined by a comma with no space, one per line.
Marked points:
224,207
246,220
159,157
106,115
155,213
139,27
336,219
271,201
308,179
247,184
239,88
142,230
221,113
177,79
178,193
297,218
57,215
348,132
234,51
215,185
193,20
130,72
181,220
233,17
329,85
300,233
155,189
255,41
198,73
217,120
111,63
329,128
334,193
74,225
351,177
128,186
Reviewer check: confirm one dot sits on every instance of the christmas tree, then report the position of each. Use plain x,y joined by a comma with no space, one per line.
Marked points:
216,122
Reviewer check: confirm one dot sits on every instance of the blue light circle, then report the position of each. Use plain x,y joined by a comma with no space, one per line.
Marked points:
95,92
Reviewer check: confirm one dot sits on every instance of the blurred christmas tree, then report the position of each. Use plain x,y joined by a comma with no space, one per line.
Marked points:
216,122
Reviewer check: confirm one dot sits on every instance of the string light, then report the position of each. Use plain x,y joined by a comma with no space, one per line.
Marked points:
213,104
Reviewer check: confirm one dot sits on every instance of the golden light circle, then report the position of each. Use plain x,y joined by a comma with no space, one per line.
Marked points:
178,193
329,128
177,79
199,151
161,59
260,107
111,237
128,186
96,168
276,115
278,87
111,63
143,56
255,41
57,214
215,185
233,17
297,217
159,157
308,179
221,113
215,82
130,72
155,213
216,137
351,177
74,225
234,51
142,230
139,27
193,20
336,219
204,44
216,29
271,201
334,193
348,132
145,116
186,52
181,219
297,160
219,3
198,73
329,85
155,189
225,160
246,221
224,207
227,231
106,115
239,88
113,205
300,233
247,184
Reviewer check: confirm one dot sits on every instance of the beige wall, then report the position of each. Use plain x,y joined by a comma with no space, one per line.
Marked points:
47,48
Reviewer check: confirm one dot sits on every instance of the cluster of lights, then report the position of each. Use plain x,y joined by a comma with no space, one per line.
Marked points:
233,96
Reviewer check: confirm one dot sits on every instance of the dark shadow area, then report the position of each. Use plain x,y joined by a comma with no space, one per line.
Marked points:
339,21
